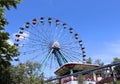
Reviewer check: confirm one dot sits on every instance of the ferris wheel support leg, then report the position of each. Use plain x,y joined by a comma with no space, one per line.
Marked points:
58,59
47,57
63,57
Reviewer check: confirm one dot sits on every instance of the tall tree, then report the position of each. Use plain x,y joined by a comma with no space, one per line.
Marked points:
117,68
7,51
27,73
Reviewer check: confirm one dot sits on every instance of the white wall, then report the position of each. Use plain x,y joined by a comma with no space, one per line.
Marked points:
89,82
72,82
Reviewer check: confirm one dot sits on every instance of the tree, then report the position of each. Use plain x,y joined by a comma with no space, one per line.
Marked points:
6,4
89,60
7,51
117,68
99,62
27,73
116,59
9,3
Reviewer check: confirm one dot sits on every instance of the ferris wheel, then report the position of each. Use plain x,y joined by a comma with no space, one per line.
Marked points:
50,42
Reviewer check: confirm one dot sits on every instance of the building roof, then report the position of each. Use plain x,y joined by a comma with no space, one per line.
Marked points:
65,69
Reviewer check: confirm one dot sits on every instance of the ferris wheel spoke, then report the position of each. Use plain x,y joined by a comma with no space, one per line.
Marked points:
24,38
52,33
77,52
34,49
41,37
74,53
32,45
68,41
64,36
51,61
46,30
72,49
60,34
47,57
67,57
72,57
35,57
29,51
40,40
70,45
35,40
32,32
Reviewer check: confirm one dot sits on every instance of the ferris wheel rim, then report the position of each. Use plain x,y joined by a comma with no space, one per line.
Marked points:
63,46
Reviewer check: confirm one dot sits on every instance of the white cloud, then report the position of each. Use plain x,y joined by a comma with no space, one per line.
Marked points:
25,34
10,42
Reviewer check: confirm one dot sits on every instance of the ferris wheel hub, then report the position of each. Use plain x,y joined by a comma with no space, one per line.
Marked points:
56,45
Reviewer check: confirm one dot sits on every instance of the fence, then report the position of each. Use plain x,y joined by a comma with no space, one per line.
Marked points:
87,71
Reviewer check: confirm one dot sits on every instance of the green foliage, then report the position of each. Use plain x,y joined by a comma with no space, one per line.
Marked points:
52,83
80,79
117,82
7,51
6,4
26,73
117,68
116,59
9,3
3,21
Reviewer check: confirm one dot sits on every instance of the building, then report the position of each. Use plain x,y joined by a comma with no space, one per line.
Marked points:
86,78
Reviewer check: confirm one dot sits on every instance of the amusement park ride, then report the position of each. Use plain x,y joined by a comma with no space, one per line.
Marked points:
57,47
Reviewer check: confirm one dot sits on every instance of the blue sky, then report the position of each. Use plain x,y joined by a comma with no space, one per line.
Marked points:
96,21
